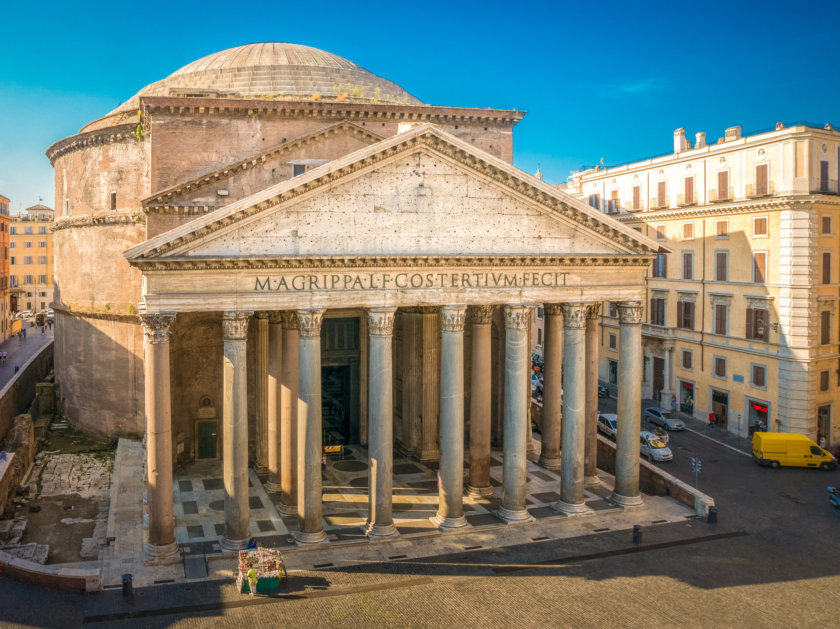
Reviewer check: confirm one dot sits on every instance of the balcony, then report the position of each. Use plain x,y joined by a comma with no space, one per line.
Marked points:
826,186
635,207
659,204
657,331
755,190
718,196
686,200
613,206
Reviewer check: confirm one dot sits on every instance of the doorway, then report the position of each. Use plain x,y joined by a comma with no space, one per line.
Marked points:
658,377
720,407
824,422
340,380
207,438
613,372
757,417
687,397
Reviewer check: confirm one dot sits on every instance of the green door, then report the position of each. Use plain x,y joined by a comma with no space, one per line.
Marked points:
207,439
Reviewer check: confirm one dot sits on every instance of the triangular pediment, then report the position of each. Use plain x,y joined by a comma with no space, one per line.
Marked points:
420,193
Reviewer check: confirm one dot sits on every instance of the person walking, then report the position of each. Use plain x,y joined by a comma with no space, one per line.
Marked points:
43,330
711,419
252,582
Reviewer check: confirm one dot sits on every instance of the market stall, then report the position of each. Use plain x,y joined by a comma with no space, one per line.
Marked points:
269,565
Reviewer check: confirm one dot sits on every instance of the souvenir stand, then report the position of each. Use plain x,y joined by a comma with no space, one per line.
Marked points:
270,569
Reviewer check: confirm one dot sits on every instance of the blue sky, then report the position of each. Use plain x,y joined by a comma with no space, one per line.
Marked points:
599,80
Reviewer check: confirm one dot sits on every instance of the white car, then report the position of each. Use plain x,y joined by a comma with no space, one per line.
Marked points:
608,424
25,314
653,447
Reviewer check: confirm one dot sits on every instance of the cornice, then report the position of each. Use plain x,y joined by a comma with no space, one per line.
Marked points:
424,138
771,204
161,199
99,220
108,135
385,262
93,314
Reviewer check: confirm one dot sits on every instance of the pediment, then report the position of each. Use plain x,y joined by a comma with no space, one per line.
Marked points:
421,193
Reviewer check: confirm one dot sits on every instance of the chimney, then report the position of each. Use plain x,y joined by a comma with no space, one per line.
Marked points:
732,133
780,126
700,138
680,143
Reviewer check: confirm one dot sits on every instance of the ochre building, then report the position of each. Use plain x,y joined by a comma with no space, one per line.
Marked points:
31,260
272,249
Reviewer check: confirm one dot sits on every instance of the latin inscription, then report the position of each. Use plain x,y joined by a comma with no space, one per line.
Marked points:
408,281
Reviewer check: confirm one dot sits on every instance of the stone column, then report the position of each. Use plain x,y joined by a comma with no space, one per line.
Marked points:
590,457
381,423
574,409
451,501
626,491
261,382
517,430
479,481
552,387
161,543
667,391
310,443
430,390
289,378
275,363
235,431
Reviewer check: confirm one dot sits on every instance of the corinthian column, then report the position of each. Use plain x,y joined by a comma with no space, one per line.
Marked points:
517,430
479,482
381,423
275,361
261,382
310,448
235,430
590,458
156,331
289,381
552,388
626,491
574,409
451,501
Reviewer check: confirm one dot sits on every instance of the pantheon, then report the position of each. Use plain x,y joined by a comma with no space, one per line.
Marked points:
272,250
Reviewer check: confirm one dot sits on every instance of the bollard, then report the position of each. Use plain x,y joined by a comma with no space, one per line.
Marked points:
127,590
712,517
637,534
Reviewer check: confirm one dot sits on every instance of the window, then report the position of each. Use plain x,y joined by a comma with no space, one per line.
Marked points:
595,200
13,230
660,232
826,268
685,315
688,231
66,207
637,198
540,312
13,260
759,267
823,176
298,169
758,375
27,229
42,229
720,367
723,185
662,194
761,187
824,381
113,201
27,259
826,225
657,311
612,204
720,318
760,226
688,265
613,309
660,265
688,185
686,359
758,327
612,341
539,336
42,279
27,279
721,266
27,244
825,327
12,244
42,244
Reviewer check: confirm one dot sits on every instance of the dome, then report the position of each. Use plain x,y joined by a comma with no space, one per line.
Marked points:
278,71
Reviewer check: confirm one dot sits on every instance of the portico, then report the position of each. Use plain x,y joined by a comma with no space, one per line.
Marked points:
421,225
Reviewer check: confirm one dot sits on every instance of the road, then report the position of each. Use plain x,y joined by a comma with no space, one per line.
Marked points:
771,561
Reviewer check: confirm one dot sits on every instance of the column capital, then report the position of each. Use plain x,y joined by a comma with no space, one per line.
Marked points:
235,324
275,317
593,311
482,313
381,321
157,326
452,318
289,319
630,312
309,322
517,316
553,309
667,345
261,315
574,314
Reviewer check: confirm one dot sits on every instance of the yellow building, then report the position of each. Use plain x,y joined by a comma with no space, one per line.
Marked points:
5,312
31,268
742,316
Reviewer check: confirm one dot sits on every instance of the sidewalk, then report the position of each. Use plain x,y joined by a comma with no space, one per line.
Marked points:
717,434
19,351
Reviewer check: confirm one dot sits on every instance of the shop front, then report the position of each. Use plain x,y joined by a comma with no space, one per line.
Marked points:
757,416
687,397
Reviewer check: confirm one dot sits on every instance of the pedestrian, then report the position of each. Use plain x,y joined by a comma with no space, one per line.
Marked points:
711,419
4,358
822,442
24,333
43,330
674,403
252,582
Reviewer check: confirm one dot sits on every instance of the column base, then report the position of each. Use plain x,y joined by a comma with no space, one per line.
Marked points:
443,522
306,537
232,545
380,530
591,481
261,469
479,492
429,455
272,488
550,463
570,508
158,554
513,515
287,509
626,501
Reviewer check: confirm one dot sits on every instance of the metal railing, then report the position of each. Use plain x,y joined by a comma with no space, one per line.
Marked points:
716,196
685,200
754,190
658,204
826,186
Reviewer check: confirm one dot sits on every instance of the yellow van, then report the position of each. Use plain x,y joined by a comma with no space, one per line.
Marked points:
790,449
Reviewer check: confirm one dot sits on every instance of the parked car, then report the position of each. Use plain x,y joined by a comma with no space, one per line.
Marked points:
25,314
603,391
653,447
50,314
608,424
661,417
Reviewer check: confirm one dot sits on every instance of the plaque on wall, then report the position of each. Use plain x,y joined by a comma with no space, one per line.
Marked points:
206,410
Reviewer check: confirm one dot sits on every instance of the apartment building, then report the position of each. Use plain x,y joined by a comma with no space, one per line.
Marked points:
742,315
5,312
31,259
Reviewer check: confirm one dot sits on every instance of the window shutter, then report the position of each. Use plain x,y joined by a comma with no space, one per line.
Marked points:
687,266
689,189
663,192
637,195
664,264
761,179
826,270
652,314
825,331
723,184
690,316
749,323
758,376
764,328
720,319
680,310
